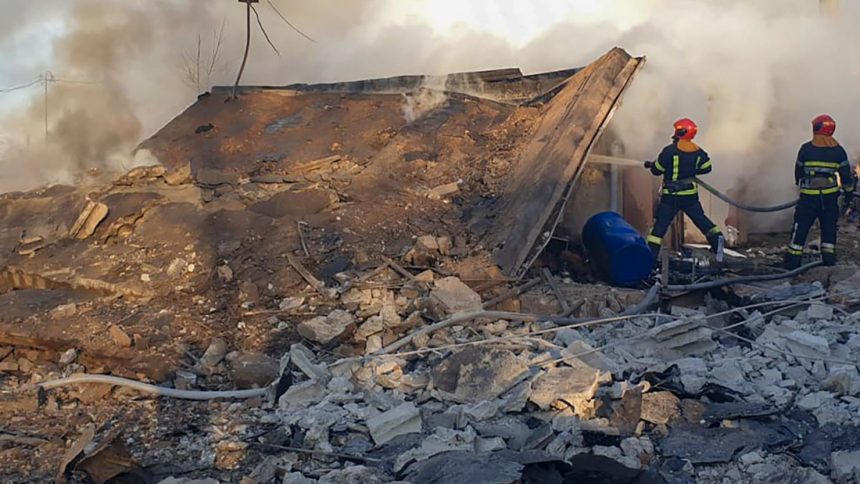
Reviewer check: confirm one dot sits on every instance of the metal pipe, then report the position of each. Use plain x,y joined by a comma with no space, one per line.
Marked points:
614,184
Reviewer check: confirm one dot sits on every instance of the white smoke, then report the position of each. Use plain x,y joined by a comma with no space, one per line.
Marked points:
752,74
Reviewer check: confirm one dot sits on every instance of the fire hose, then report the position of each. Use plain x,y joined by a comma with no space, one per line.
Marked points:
717,193
748,208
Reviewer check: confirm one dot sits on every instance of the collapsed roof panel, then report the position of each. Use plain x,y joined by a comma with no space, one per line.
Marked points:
554,156
508,85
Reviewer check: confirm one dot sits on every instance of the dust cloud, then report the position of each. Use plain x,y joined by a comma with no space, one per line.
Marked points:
752,74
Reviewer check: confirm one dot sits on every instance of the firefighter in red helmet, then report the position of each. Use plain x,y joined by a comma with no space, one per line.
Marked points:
679,163
818,163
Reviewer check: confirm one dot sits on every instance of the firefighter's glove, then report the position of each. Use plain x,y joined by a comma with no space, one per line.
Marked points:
649,164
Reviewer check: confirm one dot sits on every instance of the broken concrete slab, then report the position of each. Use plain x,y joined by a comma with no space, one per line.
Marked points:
659,407
297,478
64,311
845,466
401,420
215,178
304,394
214,354
442,440
477,373
573,386
324,329
455,296
253,370
354,475
89,219
120,337
807,344
303,358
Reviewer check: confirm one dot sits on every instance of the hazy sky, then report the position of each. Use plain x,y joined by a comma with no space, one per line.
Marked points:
751,72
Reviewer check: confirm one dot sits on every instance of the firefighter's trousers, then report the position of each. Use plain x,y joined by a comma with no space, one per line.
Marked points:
825,209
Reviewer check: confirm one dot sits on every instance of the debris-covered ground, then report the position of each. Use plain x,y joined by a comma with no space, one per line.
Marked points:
324,254
760,390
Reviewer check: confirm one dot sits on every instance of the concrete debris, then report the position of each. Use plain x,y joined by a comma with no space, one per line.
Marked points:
685,336
478,374
253,370
324,329
846,466
291,303
445,190
568,386
659,407
455,296
303,359
68,357
297,478
179,175
352,475
215,353
401,420
120,337
225,273
442,440
64,311
303,394
806,344
88,220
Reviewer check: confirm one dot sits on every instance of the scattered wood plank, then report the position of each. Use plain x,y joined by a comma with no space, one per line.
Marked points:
553,284
315,283
300,228
370,275
314,164
511,293
399,269
574,308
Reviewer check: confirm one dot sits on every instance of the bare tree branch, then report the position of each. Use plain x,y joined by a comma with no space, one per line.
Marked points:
288,22
265,34
216,51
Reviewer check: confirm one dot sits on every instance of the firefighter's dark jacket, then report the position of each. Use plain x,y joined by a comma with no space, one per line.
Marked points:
816,169
679,167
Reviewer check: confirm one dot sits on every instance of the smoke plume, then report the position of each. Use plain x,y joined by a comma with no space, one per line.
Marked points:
752,74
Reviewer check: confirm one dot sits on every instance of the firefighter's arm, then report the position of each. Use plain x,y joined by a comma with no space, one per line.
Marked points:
846,174
703,163
658,168
798,166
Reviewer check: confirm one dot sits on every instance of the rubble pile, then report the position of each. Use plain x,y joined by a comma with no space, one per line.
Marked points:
382,388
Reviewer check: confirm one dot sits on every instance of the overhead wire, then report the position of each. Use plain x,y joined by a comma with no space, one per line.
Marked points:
263,29
22,86
288,22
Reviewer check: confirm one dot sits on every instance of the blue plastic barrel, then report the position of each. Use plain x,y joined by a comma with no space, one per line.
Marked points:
618,249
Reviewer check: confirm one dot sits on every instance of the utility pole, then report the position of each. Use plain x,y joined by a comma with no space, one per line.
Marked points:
49,78
45,78
247,42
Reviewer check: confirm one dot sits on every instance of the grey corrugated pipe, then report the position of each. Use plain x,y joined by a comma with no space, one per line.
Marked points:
748,208
152,389
739,280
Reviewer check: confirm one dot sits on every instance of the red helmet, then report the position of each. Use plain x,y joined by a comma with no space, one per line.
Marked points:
685,129
824,124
